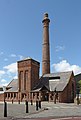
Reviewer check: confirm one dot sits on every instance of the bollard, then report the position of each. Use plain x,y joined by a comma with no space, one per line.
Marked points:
36,105
12,101
5,109
31,102
26,106
18,101
55,101
78,101
40,104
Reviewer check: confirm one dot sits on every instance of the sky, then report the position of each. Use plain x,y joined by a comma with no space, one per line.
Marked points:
21,35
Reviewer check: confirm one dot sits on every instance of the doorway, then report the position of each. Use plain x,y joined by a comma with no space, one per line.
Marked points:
45,96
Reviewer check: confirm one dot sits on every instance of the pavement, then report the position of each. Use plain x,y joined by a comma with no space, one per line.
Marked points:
48,111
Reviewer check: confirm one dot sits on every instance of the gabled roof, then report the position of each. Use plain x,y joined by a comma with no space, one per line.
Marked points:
41,89
51,82
13,89
78,77
13,83
44,81
54,81
13,86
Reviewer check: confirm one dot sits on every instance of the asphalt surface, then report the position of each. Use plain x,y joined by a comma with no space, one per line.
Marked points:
48,111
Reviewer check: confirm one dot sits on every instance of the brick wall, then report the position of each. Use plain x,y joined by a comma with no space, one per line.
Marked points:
2,97
34,74
68,93
28,74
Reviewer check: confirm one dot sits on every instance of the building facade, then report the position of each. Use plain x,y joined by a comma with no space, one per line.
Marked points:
54,87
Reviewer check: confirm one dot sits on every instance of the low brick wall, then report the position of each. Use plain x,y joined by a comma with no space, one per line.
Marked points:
2,97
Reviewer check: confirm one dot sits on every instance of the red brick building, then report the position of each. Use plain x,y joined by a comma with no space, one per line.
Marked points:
62,84
44,89
49,87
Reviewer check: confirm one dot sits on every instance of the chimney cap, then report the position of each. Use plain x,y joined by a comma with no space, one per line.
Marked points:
46,17
46,14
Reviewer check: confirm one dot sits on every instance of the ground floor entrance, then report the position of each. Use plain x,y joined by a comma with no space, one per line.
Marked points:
45,96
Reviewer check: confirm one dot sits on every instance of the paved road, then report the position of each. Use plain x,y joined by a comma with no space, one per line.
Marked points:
67,118
49,111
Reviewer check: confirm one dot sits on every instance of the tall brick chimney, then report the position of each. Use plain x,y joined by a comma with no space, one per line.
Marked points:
46,46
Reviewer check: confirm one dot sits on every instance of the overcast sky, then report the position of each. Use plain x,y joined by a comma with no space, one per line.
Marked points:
21,33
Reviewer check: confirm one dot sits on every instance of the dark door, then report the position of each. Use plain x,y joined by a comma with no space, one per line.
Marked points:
45,96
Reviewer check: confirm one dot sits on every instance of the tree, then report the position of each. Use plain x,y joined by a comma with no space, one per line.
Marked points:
79,86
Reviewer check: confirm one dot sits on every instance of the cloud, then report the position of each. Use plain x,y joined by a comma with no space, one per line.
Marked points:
60,58
1,53
21,57
16,77
12,68
3,81
2,72
4,84
13,55
63,66
59,48
5,59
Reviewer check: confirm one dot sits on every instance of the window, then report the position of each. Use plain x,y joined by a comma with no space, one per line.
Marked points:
25,79
8,95
14,95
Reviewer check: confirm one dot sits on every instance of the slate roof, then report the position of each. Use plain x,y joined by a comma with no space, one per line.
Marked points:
54,81
78,77
51,82
13,89
13,86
